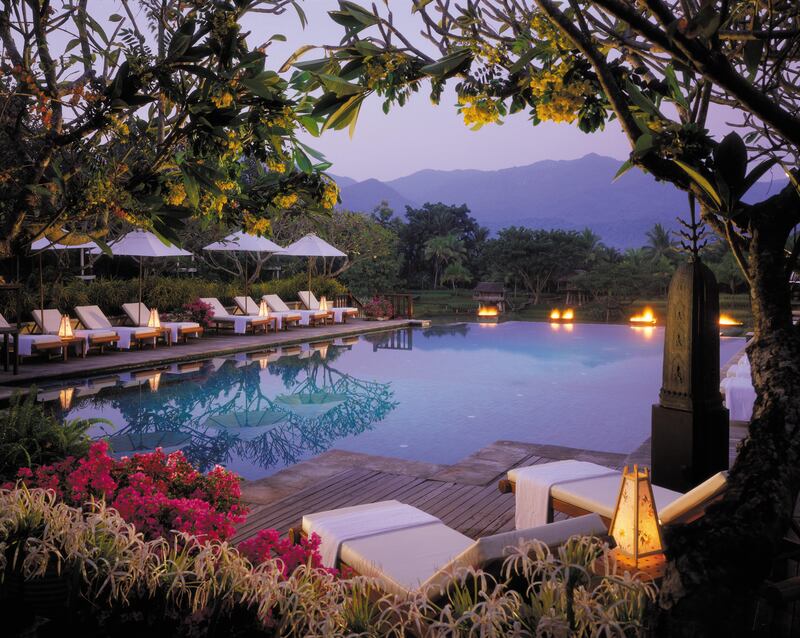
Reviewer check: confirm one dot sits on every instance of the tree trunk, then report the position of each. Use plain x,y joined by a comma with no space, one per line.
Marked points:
717,563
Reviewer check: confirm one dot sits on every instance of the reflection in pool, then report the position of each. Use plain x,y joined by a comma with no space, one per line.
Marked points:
435,395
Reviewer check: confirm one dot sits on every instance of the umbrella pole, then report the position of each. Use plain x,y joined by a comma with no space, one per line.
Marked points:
41,292
246,279
139,305
309,275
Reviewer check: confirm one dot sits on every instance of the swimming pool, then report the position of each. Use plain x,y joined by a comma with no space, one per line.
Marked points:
435,394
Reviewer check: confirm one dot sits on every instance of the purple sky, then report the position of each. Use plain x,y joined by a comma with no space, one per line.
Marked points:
421,135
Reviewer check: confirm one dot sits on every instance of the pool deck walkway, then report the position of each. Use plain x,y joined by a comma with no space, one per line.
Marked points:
210,345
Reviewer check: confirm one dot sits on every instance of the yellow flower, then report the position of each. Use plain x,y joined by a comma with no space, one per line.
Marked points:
256,225
223,100
276,165
330,195
285,201
478,110
176,194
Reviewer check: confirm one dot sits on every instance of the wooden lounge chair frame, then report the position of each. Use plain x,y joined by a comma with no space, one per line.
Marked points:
286,319
138,338
252,325
309,300
184,332
313,320
95,341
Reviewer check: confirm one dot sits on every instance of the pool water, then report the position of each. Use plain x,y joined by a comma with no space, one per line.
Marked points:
435,394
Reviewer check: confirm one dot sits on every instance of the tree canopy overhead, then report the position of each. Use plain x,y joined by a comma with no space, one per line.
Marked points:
659,68
144,116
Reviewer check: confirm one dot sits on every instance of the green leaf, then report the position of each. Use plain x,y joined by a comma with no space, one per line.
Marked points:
701,181
265,85
302,161
420,4
345,114
730,167
628,165
756,174
675,88
296,56
753,50
338,86
643,145
365,17
641,100
181,40
449,64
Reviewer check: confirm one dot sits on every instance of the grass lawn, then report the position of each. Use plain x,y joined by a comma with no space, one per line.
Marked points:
457,305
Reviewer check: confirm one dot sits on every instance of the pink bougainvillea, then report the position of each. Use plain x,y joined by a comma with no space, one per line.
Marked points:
159,493
268,544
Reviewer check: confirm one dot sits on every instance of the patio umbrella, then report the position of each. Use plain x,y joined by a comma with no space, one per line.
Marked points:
312,246
142,243
42,244
241,241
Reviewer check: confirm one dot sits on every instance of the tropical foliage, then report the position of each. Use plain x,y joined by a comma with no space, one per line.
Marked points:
121,581
144,119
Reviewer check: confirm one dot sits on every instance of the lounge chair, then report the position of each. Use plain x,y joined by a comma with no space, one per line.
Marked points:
340,314
240,323
408,550
139,314
49,321
598,494
31,344
93,318
307,317
247,306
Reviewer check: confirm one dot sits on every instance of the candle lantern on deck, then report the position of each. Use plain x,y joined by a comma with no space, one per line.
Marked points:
263,309
65,327
323,304
635,526
154,321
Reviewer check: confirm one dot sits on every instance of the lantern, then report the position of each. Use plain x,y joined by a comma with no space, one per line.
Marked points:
263,309
568,315
635,525
65,327
65,397
154,321
323,304
154,382
555,314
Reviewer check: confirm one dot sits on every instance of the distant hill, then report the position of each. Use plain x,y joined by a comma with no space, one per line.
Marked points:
569,194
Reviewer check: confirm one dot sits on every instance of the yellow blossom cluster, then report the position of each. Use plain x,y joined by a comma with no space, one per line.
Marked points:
557,100
118,126
276,165
284,119
226,185
232,147
546,30
489,53
285,201
176,194
255,225
330,195
222,100
478,110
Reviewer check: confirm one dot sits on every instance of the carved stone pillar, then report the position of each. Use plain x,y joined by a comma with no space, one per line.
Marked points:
690,424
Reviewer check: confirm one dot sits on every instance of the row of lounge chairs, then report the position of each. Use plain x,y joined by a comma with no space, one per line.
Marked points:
408,550
95,331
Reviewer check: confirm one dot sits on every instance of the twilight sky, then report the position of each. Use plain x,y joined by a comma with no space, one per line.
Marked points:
421,135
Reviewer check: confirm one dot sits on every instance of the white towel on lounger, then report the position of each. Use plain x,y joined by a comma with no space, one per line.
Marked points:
533,485
338,526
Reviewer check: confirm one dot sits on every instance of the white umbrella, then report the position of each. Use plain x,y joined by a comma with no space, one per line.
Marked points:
142,243
42,244
312,246
241,241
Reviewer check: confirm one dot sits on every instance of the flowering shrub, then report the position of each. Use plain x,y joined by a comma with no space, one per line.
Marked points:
267,545
158,493
378,307
200,312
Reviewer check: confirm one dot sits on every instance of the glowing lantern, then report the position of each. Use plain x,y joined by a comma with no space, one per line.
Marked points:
65,327
323,304
263,309
568,315
555,314
65,397
488,311
635,525
154,321
154,382
727,320
647,318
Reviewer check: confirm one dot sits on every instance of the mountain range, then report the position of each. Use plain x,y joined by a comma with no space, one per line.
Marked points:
566,194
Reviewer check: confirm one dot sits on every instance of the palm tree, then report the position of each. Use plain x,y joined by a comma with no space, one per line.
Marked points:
442,250
660,243
456,272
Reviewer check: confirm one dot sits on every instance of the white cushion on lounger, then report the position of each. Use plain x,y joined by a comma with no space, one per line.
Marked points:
93,318
276,303
600,494
217,309
405,559
52,320
246,305
686,506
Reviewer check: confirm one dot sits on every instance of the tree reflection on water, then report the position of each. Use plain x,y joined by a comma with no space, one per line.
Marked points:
225,413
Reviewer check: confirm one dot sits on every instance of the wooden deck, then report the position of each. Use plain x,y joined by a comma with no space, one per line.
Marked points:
472,505
210,345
